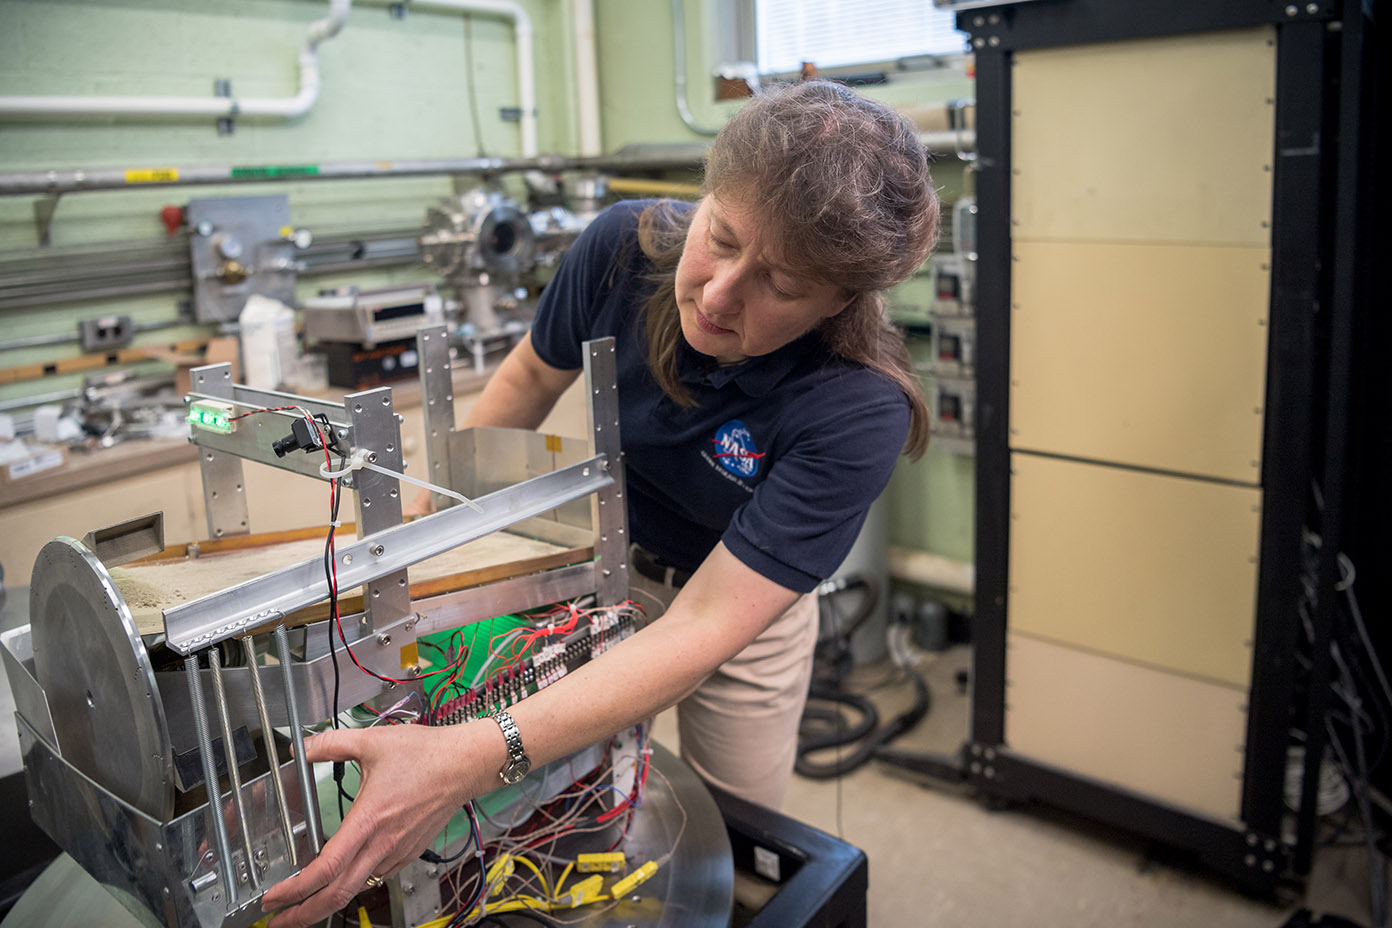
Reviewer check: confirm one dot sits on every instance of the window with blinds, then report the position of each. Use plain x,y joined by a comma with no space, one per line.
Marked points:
839,33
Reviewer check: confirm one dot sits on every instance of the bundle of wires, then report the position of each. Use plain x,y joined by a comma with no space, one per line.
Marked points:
523,869
1357,725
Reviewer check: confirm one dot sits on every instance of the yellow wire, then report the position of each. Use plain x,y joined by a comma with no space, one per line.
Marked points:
513,903
545,887
560,881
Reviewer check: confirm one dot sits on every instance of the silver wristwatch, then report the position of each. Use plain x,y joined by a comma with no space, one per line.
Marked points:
517,763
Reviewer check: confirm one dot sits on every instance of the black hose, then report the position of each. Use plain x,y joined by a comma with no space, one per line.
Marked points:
824,727
868,745
867,603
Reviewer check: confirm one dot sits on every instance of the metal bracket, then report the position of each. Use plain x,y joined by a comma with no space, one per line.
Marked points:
378,497
437,406
602,392
44,207
415,894
127,541
1264,853
222,87
224,500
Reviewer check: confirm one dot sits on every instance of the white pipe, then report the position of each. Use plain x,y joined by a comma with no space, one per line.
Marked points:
945,141
932,570
586,77
679,69
281,107
526,69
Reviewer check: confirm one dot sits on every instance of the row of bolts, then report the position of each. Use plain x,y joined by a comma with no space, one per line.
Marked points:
210,777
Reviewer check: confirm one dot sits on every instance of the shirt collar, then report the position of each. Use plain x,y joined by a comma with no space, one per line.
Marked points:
755,376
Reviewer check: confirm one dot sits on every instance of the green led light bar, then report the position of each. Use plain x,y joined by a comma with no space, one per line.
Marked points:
212,417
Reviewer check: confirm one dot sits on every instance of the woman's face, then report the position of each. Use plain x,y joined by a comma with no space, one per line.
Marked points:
736,299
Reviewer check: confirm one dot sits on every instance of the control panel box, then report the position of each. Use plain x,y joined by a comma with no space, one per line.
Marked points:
239,246
954,415
954,286
954,346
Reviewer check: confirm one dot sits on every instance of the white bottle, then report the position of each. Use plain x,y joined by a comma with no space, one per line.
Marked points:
269,349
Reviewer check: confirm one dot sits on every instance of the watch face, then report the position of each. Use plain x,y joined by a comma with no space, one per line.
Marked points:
516,770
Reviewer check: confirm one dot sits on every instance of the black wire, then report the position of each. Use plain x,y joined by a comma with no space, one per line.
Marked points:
1352,650
836,629
431,857
338,768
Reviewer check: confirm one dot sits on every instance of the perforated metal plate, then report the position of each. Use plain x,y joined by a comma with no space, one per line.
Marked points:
94,670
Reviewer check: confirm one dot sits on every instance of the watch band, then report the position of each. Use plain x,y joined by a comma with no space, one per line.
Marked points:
511,734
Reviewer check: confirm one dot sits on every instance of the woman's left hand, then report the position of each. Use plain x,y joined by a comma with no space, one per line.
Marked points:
414,778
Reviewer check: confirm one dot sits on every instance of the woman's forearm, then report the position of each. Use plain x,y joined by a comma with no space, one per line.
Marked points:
521,392
724,607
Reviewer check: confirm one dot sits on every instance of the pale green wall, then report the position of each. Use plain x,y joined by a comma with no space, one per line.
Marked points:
392,89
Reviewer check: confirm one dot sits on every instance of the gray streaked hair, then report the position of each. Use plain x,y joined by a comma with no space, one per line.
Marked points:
842,187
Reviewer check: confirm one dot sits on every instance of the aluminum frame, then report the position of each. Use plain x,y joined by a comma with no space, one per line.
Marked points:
169,867
174,872
229,613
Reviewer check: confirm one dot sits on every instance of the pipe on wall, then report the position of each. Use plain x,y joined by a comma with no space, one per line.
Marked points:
278,107
586,76
526,67
629,158
679,67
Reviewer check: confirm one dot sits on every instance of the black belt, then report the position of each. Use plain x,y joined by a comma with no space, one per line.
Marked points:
654,568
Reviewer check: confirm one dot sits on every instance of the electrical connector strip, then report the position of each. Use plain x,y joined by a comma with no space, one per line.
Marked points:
527,675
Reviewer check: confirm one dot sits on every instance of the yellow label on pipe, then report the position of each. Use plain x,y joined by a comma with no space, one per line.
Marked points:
152,175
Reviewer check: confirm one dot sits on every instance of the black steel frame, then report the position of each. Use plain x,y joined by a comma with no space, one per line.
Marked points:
1311,122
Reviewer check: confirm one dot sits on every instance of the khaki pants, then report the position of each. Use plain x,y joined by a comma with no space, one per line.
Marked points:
739,728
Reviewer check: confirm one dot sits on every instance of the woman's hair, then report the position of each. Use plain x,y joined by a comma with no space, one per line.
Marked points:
841,183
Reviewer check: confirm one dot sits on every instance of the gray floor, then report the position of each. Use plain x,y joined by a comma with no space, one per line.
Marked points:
938,856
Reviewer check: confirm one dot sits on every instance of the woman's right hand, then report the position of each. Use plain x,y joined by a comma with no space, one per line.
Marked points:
414,778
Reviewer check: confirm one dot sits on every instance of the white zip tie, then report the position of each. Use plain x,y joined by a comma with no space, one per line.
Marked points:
359,460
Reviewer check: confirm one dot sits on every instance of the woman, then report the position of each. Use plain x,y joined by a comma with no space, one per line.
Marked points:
763,401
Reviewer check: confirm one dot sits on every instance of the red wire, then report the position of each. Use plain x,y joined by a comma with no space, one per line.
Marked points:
333,561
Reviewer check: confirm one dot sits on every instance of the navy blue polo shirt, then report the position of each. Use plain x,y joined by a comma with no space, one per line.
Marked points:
782,454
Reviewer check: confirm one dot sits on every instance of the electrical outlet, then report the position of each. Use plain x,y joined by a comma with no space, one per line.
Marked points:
105,332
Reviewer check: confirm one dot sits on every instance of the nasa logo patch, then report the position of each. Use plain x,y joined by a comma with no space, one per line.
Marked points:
735,450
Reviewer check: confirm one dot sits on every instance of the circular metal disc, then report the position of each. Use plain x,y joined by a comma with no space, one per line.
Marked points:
94,670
